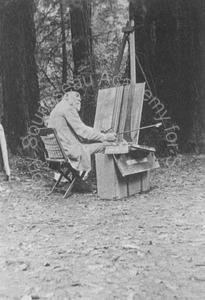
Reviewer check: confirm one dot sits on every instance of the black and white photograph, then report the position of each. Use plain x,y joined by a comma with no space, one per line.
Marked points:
102,149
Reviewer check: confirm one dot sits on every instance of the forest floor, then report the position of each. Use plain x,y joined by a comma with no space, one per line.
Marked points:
149,246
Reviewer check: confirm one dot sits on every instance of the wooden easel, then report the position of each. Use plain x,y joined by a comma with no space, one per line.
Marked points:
124,168
119,109
129,33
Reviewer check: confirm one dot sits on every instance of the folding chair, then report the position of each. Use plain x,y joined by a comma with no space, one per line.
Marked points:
57,159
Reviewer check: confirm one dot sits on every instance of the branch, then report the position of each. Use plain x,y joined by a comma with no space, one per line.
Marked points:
51,32
48,79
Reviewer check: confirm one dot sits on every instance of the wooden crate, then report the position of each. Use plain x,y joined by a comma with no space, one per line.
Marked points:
112,185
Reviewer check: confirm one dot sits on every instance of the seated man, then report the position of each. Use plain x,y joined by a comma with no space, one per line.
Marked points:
78,140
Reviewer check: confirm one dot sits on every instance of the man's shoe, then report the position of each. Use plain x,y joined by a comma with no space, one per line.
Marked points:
84,175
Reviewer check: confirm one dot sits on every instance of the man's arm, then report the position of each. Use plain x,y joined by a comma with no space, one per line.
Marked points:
84,132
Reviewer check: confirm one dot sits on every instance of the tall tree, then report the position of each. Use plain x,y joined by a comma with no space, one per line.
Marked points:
20,82
200,6
64,50
80,18
170,41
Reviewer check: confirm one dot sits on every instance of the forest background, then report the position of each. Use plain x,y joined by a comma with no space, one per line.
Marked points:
49,44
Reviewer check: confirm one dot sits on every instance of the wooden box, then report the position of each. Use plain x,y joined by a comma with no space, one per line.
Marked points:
112,185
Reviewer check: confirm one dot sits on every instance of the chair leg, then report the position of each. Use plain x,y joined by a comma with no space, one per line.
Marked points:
56,184
66,175
69,188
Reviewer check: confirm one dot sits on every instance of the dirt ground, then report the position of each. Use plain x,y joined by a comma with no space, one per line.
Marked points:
150,246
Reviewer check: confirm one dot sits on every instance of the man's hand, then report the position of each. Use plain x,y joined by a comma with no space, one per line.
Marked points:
111,137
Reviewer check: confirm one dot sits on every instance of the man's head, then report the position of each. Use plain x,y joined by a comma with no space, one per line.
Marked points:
73,98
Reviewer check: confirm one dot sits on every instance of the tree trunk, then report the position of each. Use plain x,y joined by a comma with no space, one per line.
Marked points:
1,94
64,51
201,68
80,16
20,83
84,66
